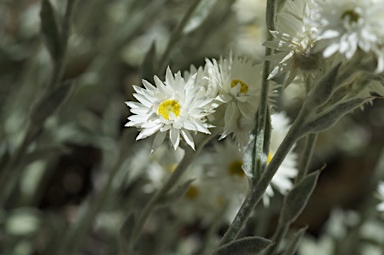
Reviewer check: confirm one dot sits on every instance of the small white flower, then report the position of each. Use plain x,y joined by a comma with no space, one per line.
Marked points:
239,83
293,41
288,168
380,190
347,25
177,106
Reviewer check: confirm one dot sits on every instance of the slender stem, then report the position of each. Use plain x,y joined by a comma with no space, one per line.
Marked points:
175,37
261,115
306,156
58,68
189,156
258,188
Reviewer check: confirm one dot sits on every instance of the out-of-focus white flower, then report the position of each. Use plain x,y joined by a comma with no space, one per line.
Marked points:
344,26
293,40
176,106
251,28
288,168
225,169
380,190
239,83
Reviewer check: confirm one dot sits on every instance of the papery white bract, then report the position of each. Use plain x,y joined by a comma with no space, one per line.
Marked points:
344,26
176,106
238,81
293,41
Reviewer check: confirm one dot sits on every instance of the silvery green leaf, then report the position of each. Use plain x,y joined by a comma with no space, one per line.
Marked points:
45,153
175,194
296,199
323,88
50,30
249,157
149,63
280,5
245,246
199,15
328,118
127,228
22,222
49,103
293,244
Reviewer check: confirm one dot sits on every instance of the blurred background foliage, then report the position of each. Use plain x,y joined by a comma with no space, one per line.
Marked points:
52,176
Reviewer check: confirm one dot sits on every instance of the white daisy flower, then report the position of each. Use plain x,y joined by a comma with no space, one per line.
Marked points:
380,195
225,170
288,168
177,106
238,82
293,41
347,25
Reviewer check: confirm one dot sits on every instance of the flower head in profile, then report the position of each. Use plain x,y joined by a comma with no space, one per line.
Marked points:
344,26
288,169
292,38
239,82
176,107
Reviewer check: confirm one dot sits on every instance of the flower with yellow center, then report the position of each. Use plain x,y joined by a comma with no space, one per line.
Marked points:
177,107
346,26
238,81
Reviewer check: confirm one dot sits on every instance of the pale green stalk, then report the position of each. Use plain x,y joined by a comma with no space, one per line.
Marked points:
257,190
252,197
176,36
189,156
10,174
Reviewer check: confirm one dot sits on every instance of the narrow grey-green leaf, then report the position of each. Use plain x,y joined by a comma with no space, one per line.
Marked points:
50,30
323,88
49,103
200,14
45,153
175,194
245,246
127,228
296,200
293,244
149,63
328,118
249,157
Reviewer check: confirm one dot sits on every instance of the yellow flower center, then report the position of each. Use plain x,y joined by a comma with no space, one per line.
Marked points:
235,168
351,16
270,156
243,85
168,106
192,192
171,167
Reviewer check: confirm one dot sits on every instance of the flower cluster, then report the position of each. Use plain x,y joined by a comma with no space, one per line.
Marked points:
222,94
310,30
219,184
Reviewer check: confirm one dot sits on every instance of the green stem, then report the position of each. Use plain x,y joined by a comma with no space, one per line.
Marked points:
261,115
58,68
306,156
189,156
176,35
257,190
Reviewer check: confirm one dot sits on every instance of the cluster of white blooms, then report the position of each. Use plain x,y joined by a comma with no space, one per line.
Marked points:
223,94
309,31
219,183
